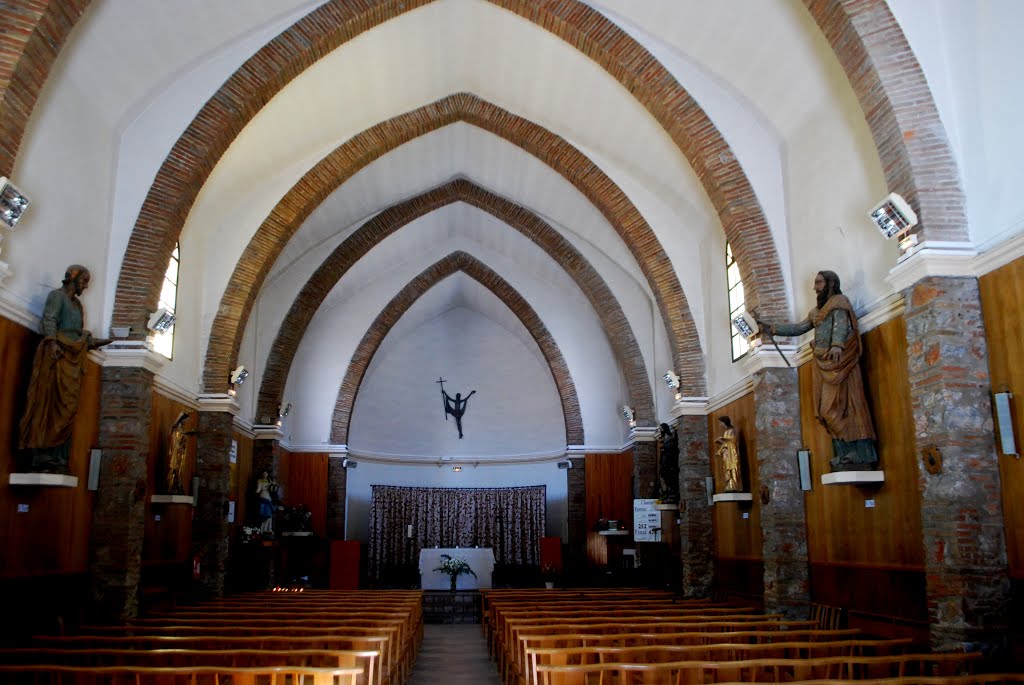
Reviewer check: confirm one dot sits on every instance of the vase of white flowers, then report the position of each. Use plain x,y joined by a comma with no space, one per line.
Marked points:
454,567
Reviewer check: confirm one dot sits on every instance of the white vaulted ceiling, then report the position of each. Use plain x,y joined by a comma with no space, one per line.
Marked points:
135,73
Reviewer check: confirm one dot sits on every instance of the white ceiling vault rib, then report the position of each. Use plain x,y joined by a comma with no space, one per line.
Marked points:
117,101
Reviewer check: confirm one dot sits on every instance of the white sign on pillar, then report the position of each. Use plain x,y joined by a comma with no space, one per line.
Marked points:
646,521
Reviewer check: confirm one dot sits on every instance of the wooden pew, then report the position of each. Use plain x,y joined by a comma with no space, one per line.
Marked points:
650,653
368,661
128,675
847,668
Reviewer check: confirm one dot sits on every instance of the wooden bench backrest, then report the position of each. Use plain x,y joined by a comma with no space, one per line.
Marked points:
129,675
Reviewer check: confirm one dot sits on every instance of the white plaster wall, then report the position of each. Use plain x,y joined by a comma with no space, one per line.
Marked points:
973,58
367,474
64,166
322,357
515,411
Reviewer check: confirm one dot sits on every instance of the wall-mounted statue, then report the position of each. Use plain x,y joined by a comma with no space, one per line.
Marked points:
55,385
268,491
456,407
839,401
728,452
177,452
668,466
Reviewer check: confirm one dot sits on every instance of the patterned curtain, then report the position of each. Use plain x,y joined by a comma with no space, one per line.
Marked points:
509,520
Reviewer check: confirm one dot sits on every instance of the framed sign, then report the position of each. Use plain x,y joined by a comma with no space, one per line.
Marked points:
646,521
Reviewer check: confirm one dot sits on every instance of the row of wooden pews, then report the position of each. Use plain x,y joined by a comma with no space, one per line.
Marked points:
271,638
622,637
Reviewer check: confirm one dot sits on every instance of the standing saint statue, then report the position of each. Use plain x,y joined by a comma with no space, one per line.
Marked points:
839,401
729,453
177,452
55,385
668,466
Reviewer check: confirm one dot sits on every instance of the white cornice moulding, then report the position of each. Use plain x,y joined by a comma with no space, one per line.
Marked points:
340,454
643,434
173,391
690,406
932,258
262,431
392,458
130,354
243,426
880,311
16,309
220,401
765,356
731,394
1000,255
330,448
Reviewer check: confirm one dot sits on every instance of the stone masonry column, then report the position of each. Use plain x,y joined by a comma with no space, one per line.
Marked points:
337,487
576,486
119,510
967,581
697,545
783,518
645,462
210,529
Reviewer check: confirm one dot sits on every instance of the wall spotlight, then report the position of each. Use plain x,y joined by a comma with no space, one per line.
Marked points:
629,415
239,375
671,379
282,412
161,320
894,217
564,464
347,463
456,469
13,202
745,325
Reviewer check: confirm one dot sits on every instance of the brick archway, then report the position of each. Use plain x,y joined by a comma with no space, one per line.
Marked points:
318,183
200,147
400,303
912,143
351,250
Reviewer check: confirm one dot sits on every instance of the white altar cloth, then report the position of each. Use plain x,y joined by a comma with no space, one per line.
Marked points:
480,559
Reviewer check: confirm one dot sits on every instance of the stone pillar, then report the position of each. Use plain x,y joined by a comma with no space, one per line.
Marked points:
210,529
119,510
645,462
337,484
576,485
966,572
783,519
697,544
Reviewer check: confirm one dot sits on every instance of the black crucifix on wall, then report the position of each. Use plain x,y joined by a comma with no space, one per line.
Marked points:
456,407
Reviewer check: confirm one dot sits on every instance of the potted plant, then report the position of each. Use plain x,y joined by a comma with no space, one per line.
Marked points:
454,567
549,573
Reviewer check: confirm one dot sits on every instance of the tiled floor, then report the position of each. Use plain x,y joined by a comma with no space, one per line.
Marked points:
453,655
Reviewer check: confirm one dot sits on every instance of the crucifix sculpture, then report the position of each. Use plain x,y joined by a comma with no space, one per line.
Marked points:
456,407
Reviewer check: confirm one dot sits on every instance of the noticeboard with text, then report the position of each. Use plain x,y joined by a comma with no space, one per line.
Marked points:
646,521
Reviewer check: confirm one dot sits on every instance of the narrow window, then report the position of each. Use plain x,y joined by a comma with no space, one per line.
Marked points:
164,342
736,302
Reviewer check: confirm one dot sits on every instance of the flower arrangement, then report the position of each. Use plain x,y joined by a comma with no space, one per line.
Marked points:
251,534
454,567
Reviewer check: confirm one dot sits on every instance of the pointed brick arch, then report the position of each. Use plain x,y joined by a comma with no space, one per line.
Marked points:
351,250
889,83
400,303
201,146
318,183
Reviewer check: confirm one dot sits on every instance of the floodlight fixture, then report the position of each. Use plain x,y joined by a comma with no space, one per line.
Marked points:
13,202
161,320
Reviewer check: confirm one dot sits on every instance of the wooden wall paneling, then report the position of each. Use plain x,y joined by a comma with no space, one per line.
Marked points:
1002,300
52,537
307,485
609,495
855,533
737,537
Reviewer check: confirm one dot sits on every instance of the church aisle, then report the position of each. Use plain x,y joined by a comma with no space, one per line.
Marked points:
454,655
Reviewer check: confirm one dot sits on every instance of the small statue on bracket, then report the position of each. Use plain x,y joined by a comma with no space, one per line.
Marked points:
729,453
177,452
668,466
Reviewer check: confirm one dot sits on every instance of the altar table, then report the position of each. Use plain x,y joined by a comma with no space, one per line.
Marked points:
480,559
